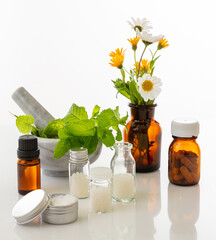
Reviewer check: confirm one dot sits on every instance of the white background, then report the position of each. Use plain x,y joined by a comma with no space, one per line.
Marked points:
58,50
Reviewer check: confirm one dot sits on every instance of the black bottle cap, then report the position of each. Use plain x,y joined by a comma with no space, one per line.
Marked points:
27,147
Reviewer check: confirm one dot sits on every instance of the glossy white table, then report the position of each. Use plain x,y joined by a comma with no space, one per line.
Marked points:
161,211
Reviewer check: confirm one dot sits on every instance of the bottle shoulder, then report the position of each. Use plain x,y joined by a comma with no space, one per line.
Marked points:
29,162
184,144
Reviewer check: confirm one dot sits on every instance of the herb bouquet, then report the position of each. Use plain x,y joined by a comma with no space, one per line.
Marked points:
141,88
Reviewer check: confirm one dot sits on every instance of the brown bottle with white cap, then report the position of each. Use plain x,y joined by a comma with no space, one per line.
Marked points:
184,153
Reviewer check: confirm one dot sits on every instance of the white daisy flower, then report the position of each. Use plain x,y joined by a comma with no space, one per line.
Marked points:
149,87
140,24
148,37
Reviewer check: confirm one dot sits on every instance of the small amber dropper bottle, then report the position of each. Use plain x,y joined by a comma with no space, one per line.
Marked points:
28,164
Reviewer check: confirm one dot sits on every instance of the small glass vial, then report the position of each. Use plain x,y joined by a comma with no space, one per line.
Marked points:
79,172
28,164
123,168
101,190
184,153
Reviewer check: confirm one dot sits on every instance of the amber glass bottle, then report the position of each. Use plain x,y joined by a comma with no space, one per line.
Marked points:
28,164
145,135
184,153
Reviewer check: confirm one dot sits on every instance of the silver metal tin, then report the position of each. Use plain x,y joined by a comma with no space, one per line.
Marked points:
61,214
30,206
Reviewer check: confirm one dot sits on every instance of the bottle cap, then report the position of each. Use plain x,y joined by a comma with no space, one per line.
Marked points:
101,173
79,155
185,127
28,147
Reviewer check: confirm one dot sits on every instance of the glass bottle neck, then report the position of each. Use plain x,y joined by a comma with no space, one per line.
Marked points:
142,112
185,138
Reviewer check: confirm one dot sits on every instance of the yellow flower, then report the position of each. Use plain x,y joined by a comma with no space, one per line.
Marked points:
117,58
118,51
117,61
145,65
134,41
162,43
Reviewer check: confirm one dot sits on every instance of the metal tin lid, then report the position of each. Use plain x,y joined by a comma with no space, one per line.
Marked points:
30,206
101,173
79,155
185,127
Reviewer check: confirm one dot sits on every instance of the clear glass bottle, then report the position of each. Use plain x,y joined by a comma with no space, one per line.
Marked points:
79,172
123,168
28,164
101,190
184,153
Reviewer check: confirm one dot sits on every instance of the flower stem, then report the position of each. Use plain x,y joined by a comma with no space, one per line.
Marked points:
135,63
141,59
126,70
154,54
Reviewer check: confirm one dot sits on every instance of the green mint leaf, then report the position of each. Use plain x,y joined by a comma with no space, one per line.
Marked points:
107,119
62,147
119,135
116,111
80,128
24,123
76,112
123,120
42,134
64,133
107,138
95,111
90,143
53,127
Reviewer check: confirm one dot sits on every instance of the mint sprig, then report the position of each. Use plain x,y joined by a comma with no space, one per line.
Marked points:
77,130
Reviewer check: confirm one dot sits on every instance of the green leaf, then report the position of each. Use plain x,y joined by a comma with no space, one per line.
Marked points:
136,98
95,111
107,119
116,111
123,120
76,112
80,128
151,64
42,134
156,58
24,123
119,135
123,74
152,71
62,147
107,138
53,127
122,88
90,143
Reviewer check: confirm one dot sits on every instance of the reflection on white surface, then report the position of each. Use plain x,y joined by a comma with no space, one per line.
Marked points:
100,226
124,221
183,211
148,203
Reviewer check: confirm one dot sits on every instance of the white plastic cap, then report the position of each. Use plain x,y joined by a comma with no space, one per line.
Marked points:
185,127
101,173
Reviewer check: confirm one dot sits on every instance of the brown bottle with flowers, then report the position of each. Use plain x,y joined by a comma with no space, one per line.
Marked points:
145,135
141,88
